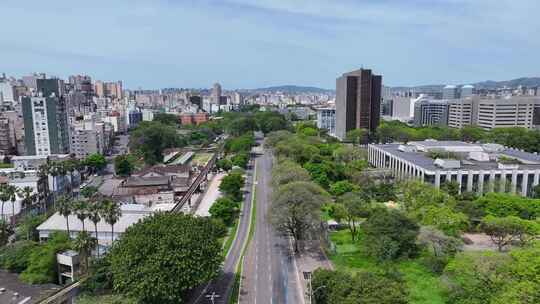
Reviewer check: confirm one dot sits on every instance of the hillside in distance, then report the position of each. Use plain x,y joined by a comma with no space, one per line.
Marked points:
293,89
488,84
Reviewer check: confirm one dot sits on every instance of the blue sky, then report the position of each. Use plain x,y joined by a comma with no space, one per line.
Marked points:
257,43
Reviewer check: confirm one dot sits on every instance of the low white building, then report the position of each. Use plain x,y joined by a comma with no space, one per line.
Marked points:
476,168
131,214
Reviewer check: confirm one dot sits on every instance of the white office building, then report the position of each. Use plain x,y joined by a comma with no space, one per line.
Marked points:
326,119
476,168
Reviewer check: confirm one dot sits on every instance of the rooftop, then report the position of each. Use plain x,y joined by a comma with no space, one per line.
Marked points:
470,156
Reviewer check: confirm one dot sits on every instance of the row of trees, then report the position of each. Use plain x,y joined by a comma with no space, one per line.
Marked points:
521,138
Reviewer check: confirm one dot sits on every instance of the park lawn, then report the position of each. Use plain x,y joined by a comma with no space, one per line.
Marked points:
201,159
424,286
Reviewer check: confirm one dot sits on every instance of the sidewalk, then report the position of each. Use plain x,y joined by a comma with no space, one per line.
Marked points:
309,260
211,195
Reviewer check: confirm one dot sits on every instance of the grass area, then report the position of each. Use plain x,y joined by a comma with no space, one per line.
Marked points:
231,235
424,286
201,159
5,166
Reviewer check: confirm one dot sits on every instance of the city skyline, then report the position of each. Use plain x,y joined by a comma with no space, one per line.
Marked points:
196,43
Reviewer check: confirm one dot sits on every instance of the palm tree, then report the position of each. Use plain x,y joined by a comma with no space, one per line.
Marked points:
28,197
5,232
111,214
64,206
43,173
4,197
13,190
94,214
84,243
81,211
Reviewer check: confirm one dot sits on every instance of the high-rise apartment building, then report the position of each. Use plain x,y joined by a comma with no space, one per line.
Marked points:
216,93
45,125
358,101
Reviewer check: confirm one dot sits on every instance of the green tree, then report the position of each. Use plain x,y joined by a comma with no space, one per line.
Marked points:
80,209
42,266
288,171
504,231
472,133
352,207
231,185
94,215
389,234
15,257
451,188
28,198
5,231
96,162
151,138
162,257
239,144
111,213
224,164
166,119
476,277
241,160
84,243
27,228
341,187
225,209
357,136
65,207
444,218
124,164
504,204
440,247
297,209
89,191
330,287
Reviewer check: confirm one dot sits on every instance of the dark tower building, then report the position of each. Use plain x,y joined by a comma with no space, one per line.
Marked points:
358,102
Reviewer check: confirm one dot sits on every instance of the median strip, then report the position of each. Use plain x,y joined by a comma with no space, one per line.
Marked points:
235,294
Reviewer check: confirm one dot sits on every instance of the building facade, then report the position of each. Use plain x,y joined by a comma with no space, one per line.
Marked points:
430,112
358,102
476,168
326,119
45,125
490,113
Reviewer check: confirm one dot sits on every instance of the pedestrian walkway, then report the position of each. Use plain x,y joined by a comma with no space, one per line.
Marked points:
211,195
310,259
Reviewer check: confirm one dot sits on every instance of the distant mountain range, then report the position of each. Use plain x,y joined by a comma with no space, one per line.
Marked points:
293,89
489,84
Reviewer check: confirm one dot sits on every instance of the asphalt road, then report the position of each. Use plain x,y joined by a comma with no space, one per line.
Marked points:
222,285
269,273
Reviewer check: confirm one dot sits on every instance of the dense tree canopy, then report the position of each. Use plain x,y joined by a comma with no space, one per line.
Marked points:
389,234
231,185
160,258
151,138
333,287
297,209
